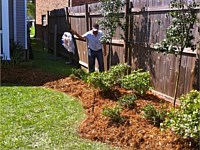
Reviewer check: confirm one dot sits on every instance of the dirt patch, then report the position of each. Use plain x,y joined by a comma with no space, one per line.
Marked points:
134,133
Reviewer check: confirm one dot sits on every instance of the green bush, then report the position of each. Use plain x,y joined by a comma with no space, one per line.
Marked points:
154,116
113,113
80,74
128,100
138,81
106,80
185,119
16,52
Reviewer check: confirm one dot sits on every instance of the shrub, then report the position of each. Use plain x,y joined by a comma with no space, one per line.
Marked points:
97,80
16,52
138,81
80,74
185,119
113,113
153,115
128,100
106,80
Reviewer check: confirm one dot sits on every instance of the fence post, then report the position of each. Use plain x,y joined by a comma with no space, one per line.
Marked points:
127,31
55,34
87,17
48,34
67,18
130,34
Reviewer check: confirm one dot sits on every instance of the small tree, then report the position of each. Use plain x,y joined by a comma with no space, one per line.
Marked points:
179,35
111,11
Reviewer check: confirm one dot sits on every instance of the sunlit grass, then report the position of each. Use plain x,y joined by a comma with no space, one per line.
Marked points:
39,118
32,31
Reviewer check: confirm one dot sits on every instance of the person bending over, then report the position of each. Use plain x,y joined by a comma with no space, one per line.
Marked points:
96,49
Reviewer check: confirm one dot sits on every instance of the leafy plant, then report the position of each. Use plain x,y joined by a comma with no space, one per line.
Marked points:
80,74
111,11
153,115
16,52
113,113
185,119
106,80
179,35
96,79
138,81
128,100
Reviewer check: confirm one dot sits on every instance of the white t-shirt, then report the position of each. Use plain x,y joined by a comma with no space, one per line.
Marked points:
67,42
93,41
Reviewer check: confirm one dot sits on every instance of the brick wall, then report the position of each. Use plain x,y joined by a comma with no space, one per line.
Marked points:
43,6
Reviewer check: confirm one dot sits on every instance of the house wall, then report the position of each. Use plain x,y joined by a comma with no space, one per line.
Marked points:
42,7
11,22
20,22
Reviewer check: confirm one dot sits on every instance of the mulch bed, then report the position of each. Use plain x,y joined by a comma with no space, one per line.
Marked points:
134,133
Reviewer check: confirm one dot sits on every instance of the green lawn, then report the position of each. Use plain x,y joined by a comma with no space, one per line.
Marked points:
39,118
32,31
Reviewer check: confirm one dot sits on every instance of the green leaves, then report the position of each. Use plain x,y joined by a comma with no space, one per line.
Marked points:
106,80
179,34
138,81
113,113
111,17
185,120
153,115
128,100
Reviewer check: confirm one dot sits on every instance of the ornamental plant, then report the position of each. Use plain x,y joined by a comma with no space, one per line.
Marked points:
153,115
185,119
128,100
179,34
106,80
113,113
80,74
111,11
138,81
16,52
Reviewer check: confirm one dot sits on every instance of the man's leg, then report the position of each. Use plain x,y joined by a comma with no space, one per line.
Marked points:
100,60
91,60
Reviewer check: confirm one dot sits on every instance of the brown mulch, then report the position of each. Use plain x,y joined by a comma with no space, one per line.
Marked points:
134,133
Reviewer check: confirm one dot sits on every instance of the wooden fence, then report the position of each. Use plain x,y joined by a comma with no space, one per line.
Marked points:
144,31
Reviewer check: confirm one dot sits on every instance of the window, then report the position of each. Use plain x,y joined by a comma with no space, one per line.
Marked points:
44,20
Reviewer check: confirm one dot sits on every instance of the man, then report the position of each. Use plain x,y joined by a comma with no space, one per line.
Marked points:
94,47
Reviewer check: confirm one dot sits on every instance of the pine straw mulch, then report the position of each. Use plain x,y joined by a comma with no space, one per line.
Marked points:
134,133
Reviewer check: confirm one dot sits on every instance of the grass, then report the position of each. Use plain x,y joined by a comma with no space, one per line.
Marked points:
39,118
32,31
46,61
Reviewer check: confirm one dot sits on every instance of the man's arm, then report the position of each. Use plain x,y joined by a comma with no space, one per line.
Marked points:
78,35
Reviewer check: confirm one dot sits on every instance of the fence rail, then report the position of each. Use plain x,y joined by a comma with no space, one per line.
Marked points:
146,31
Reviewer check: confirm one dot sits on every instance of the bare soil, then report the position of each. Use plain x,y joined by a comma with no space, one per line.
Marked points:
134,133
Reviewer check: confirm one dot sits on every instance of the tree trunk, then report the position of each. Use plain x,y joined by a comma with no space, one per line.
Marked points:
177,77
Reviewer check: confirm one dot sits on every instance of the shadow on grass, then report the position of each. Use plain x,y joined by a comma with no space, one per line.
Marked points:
43,68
